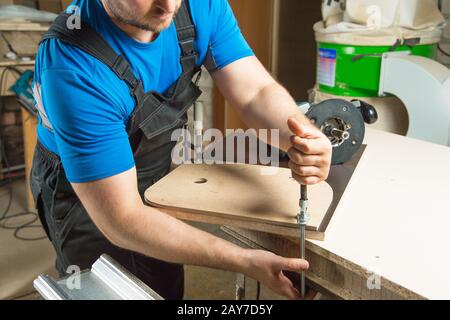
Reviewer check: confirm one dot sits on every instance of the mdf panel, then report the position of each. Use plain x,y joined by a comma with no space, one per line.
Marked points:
269,201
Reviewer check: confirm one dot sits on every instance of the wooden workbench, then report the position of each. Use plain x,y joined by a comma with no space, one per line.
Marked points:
391,230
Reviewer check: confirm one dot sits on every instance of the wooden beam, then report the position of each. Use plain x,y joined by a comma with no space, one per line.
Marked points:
29,123
328,273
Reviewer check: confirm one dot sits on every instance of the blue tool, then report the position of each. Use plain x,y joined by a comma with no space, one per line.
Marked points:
24,92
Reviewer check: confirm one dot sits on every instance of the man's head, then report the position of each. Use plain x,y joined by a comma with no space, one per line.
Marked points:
151,15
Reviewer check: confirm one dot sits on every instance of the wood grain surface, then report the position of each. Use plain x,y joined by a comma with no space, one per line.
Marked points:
241,192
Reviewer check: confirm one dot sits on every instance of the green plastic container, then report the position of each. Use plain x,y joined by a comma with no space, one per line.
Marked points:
349,70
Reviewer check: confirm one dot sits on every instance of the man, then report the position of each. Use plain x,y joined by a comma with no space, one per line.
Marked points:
109,96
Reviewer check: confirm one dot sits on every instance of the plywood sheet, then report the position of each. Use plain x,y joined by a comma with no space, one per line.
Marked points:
24,44
13,25
393,219
391,223
4,48
29,124
239,192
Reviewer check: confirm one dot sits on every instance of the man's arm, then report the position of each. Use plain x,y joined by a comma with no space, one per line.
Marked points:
117,210
264,104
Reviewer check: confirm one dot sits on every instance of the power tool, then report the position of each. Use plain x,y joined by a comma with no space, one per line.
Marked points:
22,89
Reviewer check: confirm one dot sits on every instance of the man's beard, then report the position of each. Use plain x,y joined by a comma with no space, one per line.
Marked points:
124,15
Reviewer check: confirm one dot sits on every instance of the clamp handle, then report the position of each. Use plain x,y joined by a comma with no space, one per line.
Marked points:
369,113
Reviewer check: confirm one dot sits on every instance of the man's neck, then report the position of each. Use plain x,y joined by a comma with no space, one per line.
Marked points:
137,34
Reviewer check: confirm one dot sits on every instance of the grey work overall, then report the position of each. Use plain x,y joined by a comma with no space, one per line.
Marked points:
76,239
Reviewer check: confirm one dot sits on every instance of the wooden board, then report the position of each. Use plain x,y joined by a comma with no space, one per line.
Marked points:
23,43
22,25
4,48
50,5
29,123
241,193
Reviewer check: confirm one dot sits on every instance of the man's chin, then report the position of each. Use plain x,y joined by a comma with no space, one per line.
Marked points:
153,27
161,23
163,26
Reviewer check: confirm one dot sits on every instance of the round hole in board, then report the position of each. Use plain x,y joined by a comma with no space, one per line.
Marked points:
201,181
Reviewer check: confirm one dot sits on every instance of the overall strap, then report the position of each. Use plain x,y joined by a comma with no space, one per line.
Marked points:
186,37
90,41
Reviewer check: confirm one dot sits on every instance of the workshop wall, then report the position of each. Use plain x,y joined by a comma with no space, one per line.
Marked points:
55,6
281,35
445,44
28,3
11,132
296,68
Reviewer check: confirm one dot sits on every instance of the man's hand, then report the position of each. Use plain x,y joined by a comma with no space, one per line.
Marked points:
267,268
310,154
115,206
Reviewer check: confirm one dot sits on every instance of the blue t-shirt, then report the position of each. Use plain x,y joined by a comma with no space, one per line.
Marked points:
88,106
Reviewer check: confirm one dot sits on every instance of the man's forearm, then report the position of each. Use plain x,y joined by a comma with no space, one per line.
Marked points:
274,100
121,216
158,235
117,210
